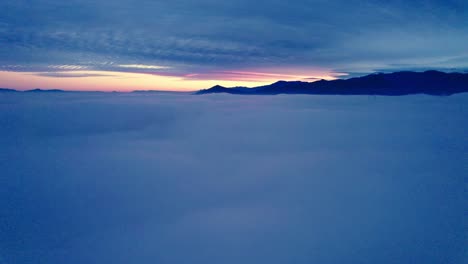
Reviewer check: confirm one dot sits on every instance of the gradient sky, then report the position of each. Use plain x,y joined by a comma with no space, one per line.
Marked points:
187,45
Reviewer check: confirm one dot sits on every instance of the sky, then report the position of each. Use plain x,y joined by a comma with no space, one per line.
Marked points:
188,45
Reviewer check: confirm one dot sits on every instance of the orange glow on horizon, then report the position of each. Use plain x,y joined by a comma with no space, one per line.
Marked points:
126,82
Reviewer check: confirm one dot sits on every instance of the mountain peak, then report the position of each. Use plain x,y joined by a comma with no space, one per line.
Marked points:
280,82
38,90
397,83
7,90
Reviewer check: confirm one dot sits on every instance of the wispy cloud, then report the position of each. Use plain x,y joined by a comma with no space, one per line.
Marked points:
142,66
190,39
67,67
71,74
255,76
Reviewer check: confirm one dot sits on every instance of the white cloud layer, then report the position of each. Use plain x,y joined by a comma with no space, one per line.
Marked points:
131,178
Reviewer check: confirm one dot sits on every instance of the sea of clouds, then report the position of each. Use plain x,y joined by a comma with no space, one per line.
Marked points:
178,178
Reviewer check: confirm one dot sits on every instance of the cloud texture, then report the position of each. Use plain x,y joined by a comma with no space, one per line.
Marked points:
131,178
198,37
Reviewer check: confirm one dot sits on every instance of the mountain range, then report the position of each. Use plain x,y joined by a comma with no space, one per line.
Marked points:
397,83
37,90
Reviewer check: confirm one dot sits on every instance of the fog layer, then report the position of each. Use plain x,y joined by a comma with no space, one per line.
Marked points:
143,179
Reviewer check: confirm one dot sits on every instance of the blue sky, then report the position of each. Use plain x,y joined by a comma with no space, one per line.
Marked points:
186,44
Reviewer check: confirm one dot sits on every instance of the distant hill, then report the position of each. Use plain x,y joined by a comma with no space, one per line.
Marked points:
6,90
45,91
397,83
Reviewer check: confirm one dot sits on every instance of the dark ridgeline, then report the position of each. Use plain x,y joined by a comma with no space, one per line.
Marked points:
398,83
37,90
6,90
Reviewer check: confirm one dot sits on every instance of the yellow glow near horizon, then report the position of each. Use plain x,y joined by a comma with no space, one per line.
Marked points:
125,81
142,66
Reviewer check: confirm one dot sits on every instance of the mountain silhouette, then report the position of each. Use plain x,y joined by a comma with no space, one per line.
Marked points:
7,90
397,83
44,91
